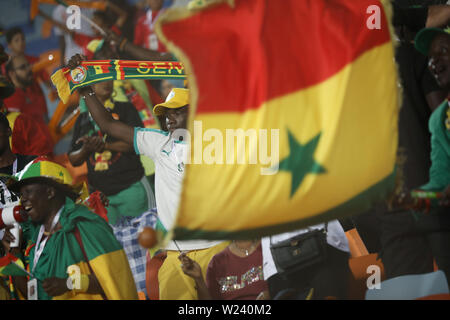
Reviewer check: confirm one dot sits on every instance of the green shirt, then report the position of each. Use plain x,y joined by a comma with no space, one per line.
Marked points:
440,150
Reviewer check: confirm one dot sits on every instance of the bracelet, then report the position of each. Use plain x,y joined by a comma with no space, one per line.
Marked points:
90,94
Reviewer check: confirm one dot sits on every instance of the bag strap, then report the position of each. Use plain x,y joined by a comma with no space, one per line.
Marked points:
78,237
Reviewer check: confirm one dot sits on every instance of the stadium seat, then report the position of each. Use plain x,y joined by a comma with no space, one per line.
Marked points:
359,274
151,276
410,287
443,296
355,243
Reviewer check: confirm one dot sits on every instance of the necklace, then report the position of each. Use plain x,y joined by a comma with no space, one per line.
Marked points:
245,250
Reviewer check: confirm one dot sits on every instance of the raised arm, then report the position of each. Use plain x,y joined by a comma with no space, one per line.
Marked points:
101,116
140,53
134,51
122,15
438,16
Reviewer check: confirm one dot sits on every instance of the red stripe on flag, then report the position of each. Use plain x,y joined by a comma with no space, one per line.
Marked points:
261,50
96,62
105,68
6,260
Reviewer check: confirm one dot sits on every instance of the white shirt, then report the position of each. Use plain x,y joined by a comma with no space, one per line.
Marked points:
60,15
335,237
169,156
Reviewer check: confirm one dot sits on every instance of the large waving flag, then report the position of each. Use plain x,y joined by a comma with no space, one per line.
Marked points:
306,90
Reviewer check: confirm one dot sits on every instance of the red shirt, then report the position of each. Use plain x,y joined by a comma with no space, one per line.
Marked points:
42,74
30,101
29,137
144,33
230,277
82,41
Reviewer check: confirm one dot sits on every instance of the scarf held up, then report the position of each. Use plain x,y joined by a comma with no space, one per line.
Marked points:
67,81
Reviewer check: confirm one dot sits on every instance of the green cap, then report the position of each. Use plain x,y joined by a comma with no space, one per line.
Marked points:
424,37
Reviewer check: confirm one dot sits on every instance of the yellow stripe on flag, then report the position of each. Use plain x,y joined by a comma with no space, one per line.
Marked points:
119,73
70,295
114,274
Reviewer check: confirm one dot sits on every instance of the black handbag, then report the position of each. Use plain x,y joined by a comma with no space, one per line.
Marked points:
300,252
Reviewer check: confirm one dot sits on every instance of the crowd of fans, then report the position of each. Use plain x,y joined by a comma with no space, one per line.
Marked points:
123,123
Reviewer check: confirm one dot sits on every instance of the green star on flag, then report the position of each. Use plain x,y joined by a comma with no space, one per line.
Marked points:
300,160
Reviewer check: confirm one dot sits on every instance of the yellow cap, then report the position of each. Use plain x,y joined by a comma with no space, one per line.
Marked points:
177,98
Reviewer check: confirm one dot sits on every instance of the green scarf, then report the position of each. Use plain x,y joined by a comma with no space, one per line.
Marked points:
89,72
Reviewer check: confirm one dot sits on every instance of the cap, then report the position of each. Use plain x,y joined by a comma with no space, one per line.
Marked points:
42,170
424,37
177,98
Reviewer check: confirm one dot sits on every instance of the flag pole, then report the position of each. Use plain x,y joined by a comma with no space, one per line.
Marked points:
179,250
31,276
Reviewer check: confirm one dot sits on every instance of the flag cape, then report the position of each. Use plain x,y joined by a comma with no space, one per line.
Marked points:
104,252
10,265
89,72
308,80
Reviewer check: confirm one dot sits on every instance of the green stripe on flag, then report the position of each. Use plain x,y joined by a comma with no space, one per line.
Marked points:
348,208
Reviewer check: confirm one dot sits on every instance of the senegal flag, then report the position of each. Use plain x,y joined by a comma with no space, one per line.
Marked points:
10,265
293,118
63,256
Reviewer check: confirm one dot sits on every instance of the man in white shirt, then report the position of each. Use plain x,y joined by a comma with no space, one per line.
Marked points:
168,154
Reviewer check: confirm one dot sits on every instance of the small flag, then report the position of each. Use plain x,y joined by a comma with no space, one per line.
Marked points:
10,265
